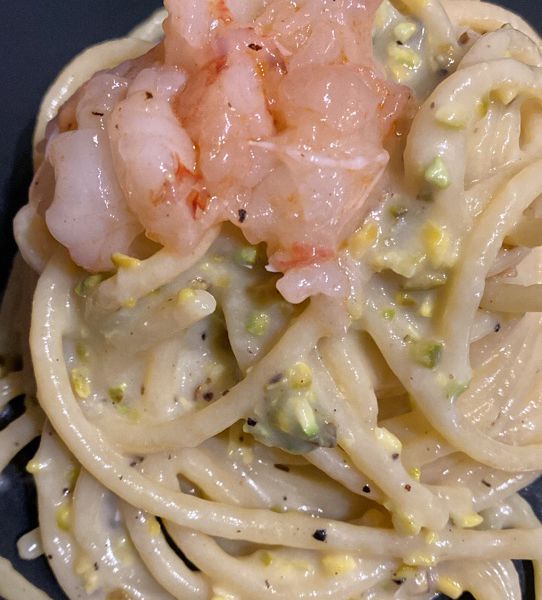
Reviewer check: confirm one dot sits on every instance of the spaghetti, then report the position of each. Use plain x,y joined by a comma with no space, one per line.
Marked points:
286,331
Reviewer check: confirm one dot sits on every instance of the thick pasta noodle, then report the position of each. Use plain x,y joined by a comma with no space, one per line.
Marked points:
282,302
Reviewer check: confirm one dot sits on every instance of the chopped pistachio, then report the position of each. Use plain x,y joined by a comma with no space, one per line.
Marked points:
382,15
127,411
363,239
82,565
198,283
34,467
437,244
388,314
85,569
85,286
404,56
406,572
468,521
122,261
116,394
420,560
185,295
426,352
427,307
404,31
453,116
398,211
437,173
91,582
305,415
415,473
405,524
258,323
80,383
400,73
455,388
338,564
355,308
247,255
124,551
300,375
129,303
64,517
449,587
400,262
82,351
405,299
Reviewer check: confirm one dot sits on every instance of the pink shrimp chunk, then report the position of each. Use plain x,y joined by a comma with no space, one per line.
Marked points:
271,115
88,213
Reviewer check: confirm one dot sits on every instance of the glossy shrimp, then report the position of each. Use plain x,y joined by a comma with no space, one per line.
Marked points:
271,115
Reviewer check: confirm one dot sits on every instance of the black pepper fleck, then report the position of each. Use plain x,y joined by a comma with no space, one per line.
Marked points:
275,379
395,455
408,487
242,215
320,535
366,489
281,467
208,396
486,483
251,422
255,47
497,328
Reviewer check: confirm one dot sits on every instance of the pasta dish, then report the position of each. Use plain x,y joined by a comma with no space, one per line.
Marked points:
277,313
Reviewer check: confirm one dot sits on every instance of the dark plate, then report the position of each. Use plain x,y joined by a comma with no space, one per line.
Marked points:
37,38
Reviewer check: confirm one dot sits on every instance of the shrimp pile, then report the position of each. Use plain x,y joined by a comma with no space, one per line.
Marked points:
270,114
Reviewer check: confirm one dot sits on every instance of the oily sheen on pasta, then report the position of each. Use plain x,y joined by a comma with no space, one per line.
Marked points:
277,314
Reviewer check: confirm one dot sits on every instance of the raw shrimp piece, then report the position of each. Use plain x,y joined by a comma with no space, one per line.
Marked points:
155,161
88,214
223,108
271,114
98,98
322,31
192,24
187,32
333,154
